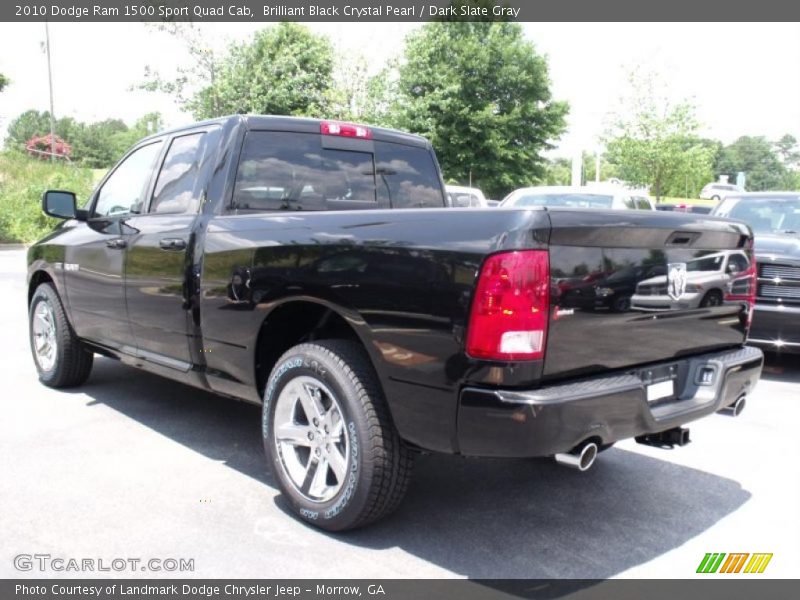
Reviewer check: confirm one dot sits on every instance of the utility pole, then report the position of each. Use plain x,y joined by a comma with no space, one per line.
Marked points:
50,80
577,168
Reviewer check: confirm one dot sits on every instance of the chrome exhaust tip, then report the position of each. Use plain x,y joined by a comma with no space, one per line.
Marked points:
735,409
581,458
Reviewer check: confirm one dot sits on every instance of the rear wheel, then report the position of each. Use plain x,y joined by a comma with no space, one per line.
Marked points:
329,438
62,360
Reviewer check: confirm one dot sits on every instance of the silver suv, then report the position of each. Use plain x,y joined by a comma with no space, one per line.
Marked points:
719,191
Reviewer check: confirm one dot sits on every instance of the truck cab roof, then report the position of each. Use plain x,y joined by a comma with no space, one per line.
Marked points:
299,125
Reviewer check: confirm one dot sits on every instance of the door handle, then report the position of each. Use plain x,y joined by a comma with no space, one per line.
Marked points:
116,243
172,244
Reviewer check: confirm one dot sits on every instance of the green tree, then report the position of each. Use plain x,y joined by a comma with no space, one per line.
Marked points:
34,123
758,159
197,75
789,151
481,93
688,182
349,94
557,172
654,142
4,81
93,143
607,169
97,145
284,70
793,181
24,127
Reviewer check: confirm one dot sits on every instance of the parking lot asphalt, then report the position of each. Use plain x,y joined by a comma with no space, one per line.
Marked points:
134,466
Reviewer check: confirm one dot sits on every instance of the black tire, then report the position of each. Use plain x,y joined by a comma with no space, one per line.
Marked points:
72,360
715,198
712,298
621,304
378,464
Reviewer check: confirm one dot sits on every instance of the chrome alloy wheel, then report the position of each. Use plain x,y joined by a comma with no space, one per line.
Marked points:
45,343
311,438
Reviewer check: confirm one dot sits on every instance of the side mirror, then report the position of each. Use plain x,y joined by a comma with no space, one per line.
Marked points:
60,204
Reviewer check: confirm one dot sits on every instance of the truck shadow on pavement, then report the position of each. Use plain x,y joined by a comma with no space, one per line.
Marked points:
478,518
782,368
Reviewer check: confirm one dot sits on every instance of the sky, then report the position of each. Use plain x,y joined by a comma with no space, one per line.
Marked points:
743,78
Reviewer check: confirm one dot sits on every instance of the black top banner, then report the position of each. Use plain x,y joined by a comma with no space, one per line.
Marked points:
397,10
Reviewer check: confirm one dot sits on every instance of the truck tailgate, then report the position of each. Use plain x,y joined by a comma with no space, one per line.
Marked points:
635,287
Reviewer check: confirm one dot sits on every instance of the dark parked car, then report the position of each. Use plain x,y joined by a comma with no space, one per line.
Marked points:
312,267
775,219
611,290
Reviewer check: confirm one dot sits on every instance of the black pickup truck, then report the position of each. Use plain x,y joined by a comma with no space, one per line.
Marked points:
312,266
775,220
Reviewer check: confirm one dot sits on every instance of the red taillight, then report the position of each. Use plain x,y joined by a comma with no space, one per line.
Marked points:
510,310
743,288
345,130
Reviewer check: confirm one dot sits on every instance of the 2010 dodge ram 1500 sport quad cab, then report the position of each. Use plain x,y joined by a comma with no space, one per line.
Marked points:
312,266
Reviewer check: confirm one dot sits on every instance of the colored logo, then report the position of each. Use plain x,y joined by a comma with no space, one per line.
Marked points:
741,562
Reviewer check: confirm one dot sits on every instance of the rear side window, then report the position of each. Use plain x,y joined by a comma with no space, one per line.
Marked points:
407,176
292,171
642,204
175,187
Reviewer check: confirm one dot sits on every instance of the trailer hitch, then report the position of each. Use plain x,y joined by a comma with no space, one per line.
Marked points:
677,436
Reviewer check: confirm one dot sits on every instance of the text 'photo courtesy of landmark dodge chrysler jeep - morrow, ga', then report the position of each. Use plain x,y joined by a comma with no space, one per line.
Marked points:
314,267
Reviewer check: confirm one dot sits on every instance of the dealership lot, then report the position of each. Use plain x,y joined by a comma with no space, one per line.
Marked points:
133,466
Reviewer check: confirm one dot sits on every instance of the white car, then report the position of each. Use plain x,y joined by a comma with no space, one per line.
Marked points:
707,282
719,191
584,196
461,196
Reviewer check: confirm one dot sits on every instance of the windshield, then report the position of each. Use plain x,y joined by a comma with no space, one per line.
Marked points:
765,215
710,263
574,200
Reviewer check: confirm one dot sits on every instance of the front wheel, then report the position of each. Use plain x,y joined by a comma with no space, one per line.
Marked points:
61,358
329,438
621,304
711,299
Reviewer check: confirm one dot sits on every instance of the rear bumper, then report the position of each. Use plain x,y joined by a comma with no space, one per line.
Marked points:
776,327
542,422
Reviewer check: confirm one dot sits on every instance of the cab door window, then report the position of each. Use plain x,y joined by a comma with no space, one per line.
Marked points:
124,191
175,187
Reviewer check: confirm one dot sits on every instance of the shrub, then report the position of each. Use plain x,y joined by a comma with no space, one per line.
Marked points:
42,147
23,180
